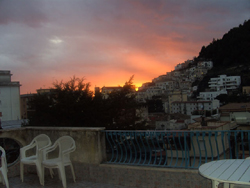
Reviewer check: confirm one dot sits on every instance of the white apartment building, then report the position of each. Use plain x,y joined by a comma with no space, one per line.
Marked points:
9,97
188,107
210,95
224,82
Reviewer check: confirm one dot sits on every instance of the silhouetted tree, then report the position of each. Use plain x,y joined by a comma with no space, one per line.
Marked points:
66,105
72,104
121,107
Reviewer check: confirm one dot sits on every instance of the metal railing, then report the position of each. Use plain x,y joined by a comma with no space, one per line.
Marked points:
176,149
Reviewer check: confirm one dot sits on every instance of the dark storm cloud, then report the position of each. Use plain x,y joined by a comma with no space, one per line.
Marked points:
25,12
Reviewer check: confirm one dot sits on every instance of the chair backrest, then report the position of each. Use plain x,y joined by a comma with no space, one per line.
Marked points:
3,159
65,143
41,141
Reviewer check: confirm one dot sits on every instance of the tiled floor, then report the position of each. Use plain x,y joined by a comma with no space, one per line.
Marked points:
31,180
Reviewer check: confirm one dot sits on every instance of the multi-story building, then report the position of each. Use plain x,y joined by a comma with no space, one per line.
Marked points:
210,95
160,78
166,84
9,97
191,72
107,90
25,99
153,91
224,82
205,64
220,85
200,72
176,95
25,106
183,65
185,85
146,85
44,91
188,107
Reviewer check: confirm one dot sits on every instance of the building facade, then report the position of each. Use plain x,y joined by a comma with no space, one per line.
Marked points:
107,90
24,104
224,82
210,95
9,97
188,107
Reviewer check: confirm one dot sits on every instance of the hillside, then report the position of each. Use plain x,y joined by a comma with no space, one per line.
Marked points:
231,55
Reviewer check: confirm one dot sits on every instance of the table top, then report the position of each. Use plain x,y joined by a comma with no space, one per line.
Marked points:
230,171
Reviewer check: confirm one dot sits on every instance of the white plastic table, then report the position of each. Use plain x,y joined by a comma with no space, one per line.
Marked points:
230,171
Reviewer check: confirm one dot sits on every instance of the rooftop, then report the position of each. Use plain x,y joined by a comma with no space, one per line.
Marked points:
235,107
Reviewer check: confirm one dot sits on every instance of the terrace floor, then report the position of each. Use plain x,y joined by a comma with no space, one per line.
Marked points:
31,180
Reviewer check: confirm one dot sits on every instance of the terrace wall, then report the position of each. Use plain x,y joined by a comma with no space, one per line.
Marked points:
90,155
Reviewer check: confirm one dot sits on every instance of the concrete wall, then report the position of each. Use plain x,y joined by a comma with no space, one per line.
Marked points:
90,156
90,142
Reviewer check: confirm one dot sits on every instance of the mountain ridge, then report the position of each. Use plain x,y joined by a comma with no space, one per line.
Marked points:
230,55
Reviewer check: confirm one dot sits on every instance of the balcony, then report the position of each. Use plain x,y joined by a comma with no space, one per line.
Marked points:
175,149
132,158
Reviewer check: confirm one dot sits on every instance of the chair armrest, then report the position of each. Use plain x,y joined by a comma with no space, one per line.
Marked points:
45,147
73,148
41,150
47,150
25,148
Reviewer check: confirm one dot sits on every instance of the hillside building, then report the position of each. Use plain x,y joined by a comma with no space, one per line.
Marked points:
25,107
107,90
210,95
205,64
172,96
188,107
224,82
236,112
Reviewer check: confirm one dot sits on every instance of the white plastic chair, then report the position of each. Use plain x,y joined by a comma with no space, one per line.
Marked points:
3,168
40,142
66,145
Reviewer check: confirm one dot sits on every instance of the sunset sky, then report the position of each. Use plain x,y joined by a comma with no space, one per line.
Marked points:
108,41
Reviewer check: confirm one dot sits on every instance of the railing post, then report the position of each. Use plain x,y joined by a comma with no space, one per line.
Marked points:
185,146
